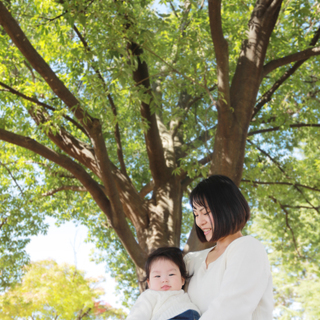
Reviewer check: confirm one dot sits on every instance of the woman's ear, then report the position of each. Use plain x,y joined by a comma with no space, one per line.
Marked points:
183,281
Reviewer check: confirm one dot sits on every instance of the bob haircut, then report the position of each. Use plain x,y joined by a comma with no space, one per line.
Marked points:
172,254
230,210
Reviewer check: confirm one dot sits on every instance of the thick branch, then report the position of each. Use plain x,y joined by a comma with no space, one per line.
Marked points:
118,219
61,160
109,175
120,224
118,137
68,143
296,125
113,107
221,51
37,62
302,55
39,103
107,168
117,184
154,145
146,189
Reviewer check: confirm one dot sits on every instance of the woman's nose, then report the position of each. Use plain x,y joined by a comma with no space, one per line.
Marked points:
201,221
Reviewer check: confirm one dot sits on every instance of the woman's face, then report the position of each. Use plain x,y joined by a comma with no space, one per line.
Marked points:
204,220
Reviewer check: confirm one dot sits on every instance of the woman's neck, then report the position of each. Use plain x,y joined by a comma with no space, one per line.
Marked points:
221,246
224,242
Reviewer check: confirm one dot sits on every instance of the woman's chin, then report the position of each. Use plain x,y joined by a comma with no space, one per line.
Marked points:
208,237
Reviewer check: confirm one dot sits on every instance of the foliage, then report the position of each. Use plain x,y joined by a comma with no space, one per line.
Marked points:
150,99
50,291
18,221
289,229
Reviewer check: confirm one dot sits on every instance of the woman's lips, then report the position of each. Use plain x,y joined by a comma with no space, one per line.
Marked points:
206,231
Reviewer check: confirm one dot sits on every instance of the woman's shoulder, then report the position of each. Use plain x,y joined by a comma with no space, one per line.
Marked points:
247,240
247,244
194,259
196,254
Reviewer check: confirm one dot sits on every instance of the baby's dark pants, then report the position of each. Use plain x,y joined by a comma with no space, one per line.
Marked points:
187,315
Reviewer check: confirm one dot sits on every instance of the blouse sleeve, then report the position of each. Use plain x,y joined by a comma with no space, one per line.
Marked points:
143,308
243,284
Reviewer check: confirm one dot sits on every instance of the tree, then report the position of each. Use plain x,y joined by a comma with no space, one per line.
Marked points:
17,224
50,291
112,110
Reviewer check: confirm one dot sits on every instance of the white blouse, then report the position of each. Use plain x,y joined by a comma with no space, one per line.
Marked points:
236,286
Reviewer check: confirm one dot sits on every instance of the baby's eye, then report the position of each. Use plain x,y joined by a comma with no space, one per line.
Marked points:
171,274
157,276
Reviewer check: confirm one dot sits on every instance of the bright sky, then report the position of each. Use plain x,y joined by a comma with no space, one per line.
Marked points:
65,244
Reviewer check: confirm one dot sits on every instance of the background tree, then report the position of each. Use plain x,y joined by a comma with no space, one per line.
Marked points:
50,291
111,110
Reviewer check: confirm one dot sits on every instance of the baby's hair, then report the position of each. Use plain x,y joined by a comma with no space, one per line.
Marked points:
173,254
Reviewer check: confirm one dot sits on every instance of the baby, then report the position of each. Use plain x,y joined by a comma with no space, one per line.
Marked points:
165,300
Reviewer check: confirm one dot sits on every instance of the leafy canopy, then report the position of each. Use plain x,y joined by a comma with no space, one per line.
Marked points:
89,46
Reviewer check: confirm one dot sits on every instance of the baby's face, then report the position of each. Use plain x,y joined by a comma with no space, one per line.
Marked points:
164,276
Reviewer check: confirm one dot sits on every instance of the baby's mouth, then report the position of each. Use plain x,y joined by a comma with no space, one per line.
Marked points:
165,288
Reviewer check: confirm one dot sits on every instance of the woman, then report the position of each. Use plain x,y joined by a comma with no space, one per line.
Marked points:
232,280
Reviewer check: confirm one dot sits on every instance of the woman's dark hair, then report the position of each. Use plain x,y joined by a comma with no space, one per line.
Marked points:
229,209
173,254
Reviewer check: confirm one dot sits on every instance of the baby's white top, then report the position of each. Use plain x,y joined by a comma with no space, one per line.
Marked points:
160,305
236,286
